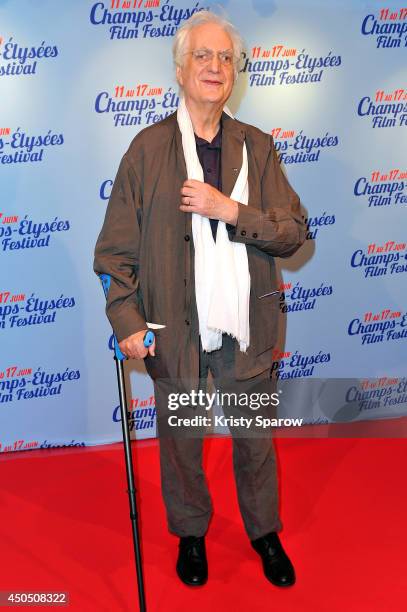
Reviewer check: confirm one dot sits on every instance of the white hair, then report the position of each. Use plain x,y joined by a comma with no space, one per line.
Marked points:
201,18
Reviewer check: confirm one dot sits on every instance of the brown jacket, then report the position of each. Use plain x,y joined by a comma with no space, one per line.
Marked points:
146,245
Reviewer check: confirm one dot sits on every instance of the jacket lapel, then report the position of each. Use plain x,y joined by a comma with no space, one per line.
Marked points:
181,166
233,136
181,170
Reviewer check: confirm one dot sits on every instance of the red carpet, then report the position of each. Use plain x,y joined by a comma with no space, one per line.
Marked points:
65,527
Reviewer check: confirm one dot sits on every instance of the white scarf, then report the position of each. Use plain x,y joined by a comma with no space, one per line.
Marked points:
222,278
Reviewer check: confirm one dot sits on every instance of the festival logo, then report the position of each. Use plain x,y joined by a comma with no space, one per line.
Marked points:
388,28
20,310
105,189
20,148
288,365
294,298
24,233
382,188
378,393
384,326
141,105
381,259
385,109
314,224
130,19
141,414
18,445
18,383
72,444
283,65
17,60
300,148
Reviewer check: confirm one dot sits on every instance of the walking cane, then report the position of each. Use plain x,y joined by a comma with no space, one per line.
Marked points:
119,358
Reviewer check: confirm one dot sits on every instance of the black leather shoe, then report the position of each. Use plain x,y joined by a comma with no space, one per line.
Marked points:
192,566
276,565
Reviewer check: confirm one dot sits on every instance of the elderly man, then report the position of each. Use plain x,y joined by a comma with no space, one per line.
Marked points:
198,211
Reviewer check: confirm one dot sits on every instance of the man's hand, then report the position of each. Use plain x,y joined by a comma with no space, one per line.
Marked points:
133,346
205,200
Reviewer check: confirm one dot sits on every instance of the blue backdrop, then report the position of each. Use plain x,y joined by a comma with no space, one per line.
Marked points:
78,79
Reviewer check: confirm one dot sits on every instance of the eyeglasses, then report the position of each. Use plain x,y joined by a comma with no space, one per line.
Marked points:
205,56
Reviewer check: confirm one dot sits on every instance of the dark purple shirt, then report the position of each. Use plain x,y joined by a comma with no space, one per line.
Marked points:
209,156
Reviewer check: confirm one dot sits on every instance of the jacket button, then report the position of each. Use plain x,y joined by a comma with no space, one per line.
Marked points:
186,237
254,235
186,322
243,233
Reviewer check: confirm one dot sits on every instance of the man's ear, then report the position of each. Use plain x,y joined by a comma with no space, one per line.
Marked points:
178,74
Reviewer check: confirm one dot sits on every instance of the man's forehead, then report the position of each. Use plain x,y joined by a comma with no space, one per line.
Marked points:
210,35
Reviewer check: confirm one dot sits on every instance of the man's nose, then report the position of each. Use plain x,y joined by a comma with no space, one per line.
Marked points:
214,64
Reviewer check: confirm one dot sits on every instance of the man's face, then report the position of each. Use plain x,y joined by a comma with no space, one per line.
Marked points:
209,82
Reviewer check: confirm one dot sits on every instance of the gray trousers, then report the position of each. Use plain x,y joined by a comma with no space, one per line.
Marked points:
183,483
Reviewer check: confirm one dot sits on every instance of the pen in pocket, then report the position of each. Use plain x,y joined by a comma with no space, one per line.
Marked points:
267,294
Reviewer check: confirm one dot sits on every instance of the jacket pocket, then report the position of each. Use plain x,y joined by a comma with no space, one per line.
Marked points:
265,321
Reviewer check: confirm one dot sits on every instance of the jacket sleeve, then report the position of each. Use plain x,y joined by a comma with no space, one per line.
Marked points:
117,253
278,229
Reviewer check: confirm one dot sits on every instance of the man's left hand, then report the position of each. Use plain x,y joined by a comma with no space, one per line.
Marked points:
205,200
